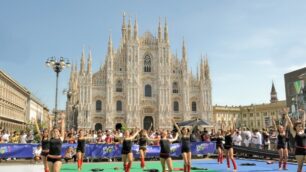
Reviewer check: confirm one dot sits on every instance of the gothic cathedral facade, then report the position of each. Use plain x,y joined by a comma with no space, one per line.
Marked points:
141,83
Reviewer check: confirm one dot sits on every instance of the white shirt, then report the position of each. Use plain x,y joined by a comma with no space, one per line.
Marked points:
23,138
5,138
37,152
237,139
259,141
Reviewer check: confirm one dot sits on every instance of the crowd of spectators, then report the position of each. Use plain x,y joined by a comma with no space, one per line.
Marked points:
261,139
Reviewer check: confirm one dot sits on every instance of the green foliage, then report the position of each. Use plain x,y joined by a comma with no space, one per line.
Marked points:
124,127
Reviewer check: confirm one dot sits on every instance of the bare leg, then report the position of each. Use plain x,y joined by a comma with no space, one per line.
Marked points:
300,161
50,164
280,152
57,166
130,160
124,160
231,156
162,161
45,162
169,164
285,157
189,161
79,155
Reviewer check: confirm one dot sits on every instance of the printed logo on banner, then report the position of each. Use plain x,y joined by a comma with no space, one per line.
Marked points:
108,149
5,149
201,147
174,147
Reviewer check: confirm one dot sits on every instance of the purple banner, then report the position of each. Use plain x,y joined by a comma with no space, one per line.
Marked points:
104,150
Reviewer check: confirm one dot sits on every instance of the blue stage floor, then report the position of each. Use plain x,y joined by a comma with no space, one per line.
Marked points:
260,166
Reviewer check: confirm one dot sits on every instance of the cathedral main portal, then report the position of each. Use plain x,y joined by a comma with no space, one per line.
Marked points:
147,122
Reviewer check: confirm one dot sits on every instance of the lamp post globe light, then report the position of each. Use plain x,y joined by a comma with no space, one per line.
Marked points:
57,65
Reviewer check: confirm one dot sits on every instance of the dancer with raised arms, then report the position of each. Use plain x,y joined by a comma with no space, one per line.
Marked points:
81,148
126,152
282,145
142,142
54,157
228,148
44,144
164,155
297,131
185,145
219,146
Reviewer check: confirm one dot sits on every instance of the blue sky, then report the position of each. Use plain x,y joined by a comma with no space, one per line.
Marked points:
248,43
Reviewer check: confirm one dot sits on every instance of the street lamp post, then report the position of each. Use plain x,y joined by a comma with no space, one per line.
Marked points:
57,65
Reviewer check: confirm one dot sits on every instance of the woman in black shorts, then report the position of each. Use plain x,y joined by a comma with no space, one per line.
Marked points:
185,144
219,146
54,157
142,142
228,149
44,145
282,146
164,154
126,152
81,148
45,148
299,135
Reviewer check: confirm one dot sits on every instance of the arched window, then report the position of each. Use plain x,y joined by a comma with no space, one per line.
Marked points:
119,86
175,87
148,91
119,106
147,63
175,106
194,106
98,105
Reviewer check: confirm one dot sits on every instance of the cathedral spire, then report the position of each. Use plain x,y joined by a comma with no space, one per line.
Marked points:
123,29
273,94
82,67
110,46
159,31
75,76
89,62
129,29
71,79
136,29
201,69
197,72
166,32
71,70
184,54
206,68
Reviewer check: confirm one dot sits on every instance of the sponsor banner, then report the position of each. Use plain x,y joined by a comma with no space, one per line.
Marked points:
105,150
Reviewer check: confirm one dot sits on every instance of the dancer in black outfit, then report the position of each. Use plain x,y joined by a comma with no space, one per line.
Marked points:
282,145
45,149
54,157
142,141
185,143
126,152
219,146
81,148
164,155
45,146
299,135
229,151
